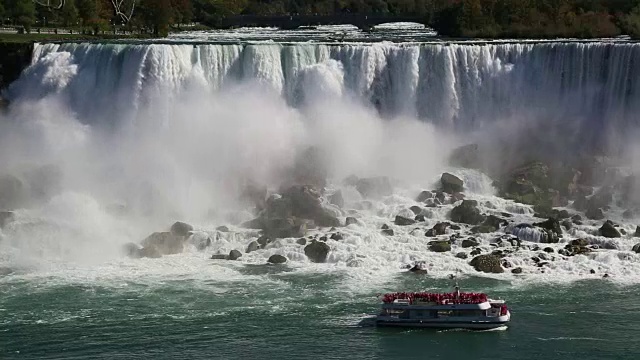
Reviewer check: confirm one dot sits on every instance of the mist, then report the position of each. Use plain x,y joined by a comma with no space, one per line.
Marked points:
106,181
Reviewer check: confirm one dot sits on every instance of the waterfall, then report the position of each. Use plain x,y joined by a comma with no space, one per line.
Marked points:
464,86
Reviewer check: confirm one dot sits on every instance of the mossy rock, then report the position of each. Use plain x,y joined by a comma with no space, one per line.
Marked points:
487,264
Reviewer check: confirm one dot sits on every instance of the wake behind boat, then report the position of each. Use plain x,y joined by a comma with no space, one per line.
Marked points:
446,310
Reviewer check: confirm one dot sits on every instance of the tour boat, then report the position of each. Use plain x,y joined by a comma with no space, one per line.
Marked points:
449,310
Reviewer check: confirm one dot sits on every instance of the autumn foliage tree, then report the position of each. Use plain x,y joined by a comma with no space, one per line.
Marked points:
454,18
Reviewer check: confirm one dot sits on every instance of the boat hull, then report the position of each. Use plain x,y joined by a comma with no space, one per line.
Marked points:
488,324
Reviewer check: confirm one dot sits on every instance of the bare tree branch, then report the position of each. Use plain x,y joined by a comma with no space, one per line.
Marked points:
119,8
57,4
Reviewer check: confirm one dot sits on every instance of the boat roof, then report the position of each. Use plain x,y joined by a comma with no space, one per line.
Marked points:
433,306
453,298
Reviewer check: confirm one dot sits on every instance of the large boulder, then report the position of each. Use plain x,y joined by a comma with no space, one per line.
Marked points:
181,229
487,264
467,213
376,187
164,243
594,214
306,203
451,183
403,221
440,228
285,228
290,215
234,255
551,224
491,224
528,184
150,252
470,242
440,246
317,251
277,259
253,246
609,231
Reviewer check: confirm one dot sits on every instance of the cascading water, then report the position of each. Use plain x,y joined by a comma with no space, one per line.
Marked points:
461,85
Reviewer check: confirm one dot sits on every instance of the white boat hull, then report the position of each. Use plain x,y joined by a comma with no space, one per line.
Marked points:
474,324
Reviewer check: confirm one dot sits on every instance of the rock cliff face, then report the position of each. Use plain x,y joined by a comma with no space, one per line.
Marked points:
14,57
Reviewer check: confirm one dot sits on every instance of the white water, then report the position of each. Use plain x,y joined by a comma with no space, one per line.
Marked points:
168,132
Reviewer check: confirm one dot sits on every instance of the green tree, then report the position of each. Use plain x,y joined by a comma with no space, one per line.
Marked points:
22,12
631,23
158,15
69,13
87,10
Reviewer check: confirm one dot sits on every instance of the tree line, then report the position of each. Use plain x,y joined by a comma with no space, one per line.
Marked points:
453,18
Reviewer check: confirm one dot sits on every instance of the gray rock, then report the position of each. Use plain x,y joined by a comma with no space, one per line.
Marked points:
470,242
636,248
552,225
285,228
517,270
150,252
165,243
306,203
277,259
462,255
424,196
609,231
441,228
487,264
451,183
181,229
263,240
301,241
317,251
476,251
222,229
253,246
403,221
440,246
351,220
416,210
388,232
467,213
234,255
595,214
